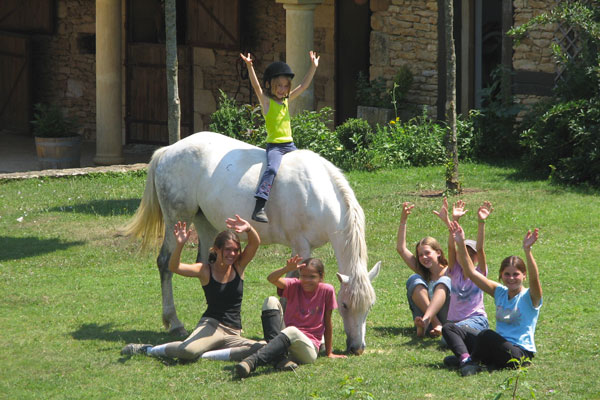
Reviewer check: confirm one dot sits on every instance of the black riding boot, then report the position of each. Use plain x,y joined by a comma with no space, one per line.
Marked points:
271,323
272,352
259,213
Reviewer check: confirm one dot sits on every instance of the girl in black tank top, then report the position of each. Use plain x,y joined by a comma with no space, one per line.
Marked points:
222,280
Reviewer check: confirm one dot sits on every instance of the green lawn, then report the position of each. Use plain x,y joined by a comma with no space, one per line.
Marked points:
73,294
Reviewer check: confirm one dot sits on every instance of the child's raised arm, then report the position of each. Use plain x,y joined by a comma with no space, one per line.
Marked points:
484,211
401,248
314,63
262,97
465,262
535,286
276,277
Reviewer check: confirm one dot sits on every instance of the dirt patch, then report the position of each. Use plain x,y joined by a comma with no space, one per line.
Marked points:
440,193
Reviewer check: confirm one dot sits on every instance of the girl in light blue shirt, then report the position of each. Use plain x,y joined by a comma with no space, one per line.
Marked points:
517,308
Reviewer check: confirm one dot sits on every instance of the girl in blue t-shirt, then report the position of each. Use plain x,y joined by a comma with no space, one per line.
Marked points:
277,81
517,308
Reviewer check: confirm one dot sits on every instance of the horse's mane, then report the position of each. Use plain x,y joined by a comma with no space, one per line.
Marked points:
362,294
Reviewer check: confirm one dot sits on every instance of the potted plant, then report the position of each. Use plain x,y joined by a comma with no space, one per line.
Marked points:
379,105
58,145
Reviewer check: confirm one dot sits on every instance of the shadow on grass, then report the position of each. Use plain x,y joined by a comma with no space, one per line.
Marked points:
103,208
15,248
409,332
107,332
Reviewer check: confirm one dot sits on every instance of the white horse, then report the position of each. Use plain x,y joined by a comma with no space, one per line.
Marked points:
208,177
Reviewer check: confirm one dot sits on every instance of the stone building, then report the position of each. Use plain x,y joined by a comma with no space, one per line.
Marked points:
103,60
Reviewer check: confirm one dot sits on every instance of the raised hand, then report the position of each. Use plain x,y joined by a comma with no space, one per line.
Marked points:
313,58
458,210
484,211
443,213
238,224
247,59
457,232
181,233
406,210
293,263
530,238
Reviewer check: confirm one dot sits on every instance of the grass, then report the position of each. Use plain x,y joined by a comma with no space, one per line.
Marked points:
73,294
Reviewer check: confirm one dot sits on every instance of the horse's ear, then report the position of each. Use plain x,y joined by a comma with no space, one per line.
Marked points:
375,271
343,278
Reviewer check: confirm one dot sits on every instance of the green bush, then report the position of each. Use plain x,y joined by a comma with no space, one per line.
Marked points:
245,122
310,131
354,133
372,93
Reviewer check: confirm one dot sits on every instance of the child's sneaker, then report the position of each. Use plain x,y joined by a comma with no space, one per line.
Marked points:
135,348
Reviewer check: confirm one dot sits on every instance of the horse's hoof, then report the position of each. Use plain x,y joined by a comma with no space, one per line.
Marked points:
181,332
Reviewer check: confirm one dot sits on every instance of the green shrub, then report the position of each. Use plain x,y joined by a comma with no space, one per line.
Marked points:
244,122
311,132
418,142
372,93
354,133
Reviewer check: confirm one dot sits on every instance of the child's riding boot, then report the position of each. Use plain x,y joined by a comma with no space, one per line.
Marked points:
272,352
259,213
271,323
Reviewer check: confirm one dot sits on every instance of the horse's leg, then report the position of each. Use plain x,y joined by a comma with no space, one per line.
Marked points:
206,235
169,314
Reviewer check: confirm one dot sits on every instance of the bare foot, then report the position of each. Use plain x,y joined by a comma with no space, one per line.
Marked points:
420,324
436,331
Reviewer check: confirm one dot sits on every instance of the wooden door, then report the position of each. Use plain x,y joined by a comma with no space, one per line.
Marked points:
15,83
146,115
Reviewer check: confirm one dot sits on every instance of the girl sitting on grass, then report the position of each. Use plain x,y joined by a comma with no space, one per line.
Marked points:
428,288
517,310
466,312
307,318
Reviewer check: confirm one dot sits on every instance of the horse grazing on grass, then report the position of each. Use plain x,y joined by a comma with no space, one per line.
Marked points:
208,177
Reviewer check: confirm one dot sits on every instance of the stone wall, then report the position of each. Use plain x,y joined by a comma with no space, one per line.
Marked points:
404,32
533,52
64,66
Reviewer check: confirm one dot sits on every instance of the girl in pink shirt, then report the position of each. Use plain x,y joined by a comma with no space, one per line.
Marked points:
307,318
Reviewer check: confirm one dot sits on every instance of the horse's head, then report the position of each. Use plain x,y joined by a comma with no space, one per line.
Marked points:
355,299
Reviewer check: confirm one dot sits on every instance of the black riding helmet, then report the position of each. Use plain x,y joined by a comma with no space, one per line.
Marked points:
275,69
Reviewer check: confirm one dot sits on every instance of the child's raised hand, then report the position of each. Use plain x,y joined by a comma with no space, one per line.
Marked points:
443,213
293,263
247,59
530,238
181,233
313,58
457,232
238,224
484,211
458,210
406,210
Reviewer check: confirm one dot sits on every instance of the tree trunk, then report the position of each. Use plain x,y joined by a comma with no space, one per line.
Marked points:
452,181
174,108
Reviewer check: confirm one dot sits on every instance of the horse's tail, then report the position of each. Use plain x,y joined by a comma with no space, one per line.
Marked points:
147,222
354,230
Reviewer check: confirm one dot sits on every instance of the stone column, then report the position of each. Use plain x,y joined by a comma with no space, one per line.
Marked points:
109,148
299,40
